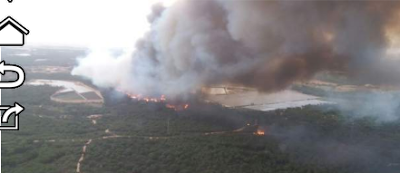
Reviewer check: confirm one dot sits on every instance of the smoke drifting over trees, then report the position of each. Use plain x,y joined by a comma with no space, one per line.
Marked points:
262,44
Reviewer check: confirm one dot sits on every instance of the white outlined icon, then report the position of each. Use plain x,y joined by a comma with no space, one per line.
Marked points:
13,68
17,108
12,33
9,110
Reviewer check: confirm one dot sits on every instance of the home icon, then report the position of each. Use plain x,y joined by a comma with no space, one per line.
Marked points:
12,33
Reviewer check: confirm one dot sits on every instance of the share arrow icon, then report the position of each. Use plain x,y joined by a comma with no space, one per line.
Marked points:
9,110
16,109
13,68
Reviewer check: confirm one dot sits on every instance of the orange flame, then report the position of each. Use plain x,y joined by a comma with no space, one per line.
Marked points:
178,107
161,99
139,97
260,132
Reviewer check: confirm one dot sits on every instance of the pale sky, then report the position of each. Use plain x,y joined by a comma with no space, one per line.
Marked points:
101,23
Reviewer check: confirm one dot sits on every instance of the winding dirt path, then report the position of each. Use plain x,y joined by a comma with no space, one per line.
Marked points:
112,135
78,165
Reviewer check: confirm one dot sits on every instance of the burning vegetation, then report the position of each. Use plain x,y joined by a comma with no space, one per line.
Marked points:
177,106
140,97
259,132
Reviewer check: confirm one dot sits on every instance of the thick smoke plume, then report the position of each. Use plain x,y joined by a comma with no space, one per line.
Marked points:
262,44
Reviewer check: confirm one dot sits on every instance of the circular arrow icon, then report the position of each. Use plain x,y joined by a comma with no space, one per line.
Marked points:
13,68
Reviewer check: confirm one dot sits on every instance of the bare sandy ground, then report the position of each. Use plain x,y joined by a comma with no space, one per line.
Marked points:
252,99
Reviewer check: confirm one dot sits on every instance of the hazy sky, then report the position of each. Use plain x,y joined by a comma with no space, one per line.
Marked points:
110,23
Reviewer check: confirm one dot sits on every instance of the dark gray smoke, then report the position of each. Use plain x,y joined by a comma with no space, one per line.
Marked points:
341,148
262,44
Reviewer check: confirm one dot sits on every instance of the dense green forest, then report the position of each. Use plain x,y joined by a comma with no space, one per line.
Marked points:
134,136
151,138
